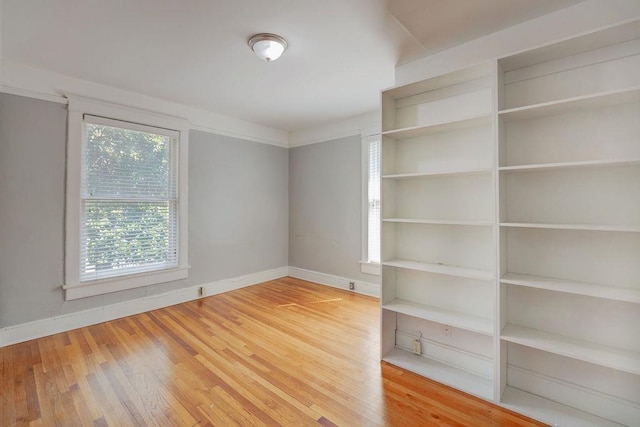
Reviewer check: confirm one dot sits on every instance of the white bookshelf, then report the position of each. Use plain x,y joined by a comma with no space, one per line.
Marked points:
438,226
569,223
511,229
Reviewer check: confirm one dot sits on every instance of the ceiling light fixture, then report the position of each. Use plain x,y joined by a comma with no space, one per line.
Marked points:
267,47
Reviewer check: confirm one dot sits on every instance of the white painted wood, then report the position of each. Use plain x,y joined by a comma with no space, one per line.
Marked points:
588,42
550,412
604,322
596,134
607,258
440,269
459,124
437,173
573,287
437,112
602,99
569,216
456,197
586,227
473,297
595,405
437,228
615,358
439,221
583,385
449,245
571,165
439,315
469,361
449,79
479,345
467,149
440,372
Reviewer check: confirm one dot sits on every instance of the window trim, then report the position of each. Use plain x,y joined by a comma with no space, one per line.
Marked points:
77,108
366,266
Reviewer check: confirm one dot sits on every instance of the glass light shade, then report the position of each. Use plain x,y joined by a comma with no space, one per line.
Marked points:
267,47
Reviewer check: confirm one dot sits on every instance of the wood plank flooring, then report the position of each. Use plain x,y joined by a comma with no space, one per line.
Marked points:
285,352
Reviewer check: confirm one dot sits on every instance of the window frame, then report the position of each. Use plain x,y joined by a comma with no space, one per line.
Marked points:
367,266
77,108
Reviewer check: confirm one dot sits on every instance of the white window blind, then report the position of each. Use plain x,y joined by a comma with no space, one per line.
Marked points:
129,203
373,199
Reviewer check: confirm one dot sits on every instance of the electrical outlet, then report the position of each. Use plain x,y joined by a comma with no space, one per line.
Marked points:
417,346
446,331
352,286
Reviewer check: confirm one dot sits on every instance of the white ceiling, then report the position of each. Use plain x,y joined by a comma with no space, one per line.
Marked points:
341,52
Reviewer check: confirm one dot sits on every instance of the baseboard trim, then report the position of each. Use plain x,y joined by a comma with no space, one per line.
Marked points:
66,322
335,281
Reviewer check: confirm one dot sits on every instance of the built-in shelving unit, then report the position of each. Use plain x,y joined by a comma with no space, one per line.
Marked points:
569,229
438,229
511,229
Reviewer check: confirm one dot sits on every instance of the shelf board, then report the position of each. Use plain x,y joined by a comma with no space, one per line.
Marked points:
572,287
438,221
598,354
476,72
448,270
438,173
550,412
440,315
561,106
413,131
584,227
445,374
570,165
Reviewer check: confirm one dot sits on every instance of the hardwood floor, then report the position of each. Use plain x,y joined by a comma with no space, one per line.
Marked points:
285,352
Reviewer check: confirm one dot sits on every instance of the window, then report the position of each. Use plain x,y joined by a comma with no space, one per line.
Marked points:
372,150
126,200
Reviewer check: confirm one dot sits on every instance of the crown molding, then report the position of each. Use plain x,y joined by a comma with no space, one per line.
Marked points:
45,85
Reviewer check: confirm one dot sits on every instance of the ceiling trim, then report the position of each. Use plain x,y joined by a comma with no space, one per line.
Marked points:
40,84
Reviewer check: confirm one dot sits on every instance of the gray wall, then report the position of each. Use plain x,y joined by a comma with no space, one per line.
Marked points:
238,211
325,185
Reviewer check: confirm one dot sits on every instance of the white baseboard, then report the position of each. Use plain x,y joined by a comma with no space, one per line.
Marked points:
66,322
335,281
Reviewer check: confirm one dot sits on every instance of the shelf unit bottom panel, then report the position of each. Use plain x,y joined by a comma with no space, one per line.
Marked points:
441,373
623,360
550,412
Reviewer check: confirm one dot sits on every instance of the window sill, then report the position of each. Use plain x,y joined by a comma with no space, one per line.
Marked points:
370,268
115,284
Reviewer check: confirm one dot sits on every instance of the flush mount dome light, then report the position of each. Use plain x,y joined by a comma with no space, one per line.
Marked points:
267,47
